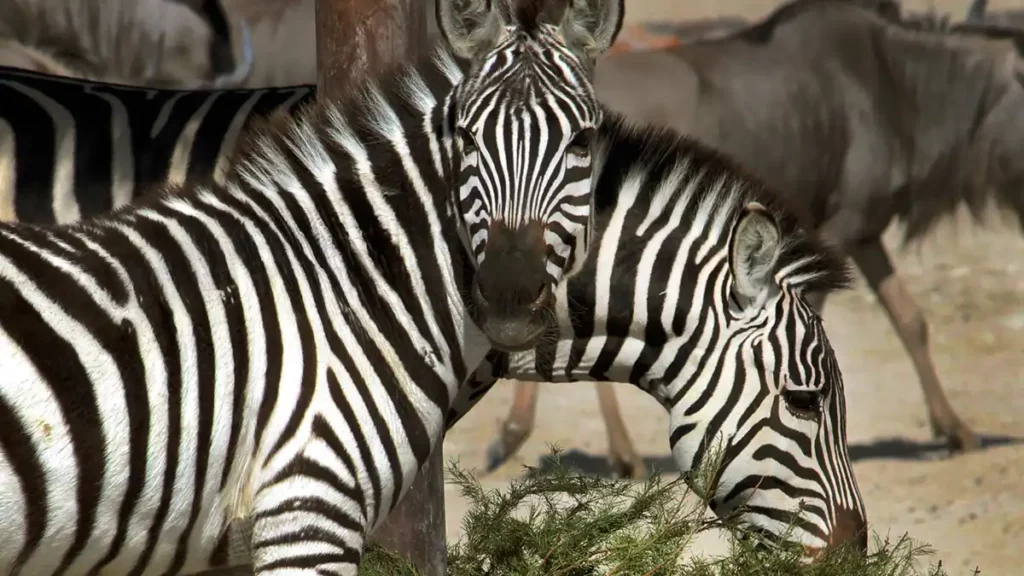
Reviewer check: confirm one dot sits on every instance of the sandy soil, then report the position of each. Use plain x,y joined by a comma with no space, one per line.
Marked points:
969,280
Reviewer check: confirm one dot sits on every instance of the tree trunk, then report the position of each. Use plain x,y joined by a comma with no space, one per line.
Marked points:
359,37
355,38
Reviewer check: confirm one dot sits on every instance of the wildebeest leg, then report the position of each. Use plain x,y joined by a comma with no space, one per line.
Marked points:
517,426
625,461
910,324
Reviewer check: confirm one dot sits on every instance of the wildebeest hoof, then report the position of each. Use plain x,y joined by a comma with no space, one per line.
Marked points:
959,438
496,456
633,469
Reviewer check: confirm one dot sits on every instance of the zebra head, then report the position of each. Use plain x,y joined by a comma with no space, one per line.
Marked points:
523,119
772,408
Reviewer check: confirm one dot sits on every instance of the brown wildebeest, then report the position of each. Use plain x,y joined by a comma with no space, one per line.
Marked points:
859,119
158,43
977,13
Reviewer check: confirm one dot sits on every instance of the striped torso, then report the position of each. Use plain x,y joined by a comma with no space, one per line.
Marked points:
285,345
71,149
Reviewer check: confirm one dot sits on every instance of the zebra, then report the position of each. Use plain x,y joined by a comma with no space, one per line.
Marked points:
284,346
73,149
695,291
294,106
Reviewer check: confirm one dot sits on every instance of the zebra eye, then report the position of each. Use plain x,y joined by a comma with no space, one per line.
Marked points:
803,403
580,143
468,144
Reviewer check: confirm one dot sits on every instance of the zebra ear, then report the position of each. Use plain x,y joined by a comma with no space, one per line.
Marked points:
591,26
753,254
469,27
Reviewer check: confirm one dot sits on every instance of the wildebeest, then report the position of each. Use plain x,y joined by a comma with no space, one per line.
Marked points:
167,43
860,120
978,13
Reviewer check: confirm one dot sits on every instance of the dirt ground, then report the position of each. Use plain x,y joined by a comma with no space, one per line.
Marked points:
968,279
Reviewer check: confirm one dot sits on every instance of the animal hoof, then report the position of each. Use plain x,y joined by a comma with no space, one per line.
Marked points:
958,437
496,456
633,470
962,440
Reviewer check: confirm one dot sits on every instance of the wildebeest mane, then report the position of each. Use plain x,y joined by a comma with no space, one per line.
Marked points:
762,32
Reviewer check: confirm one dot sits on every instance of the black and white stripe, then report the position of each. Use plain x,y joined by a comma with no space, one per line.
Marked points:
281,347
539,208
73,149
539,149
688,295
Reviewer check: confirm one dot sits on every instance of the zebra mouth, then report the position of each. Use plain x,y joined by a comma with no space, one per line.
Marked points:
516,329
514,340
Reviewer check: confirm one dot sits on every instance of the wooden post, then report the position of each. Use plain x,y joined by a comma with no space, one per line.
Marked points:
354,38
416,527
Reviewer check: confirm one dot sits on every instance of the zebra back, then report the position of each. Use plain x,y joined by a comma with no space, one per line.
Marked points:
73,149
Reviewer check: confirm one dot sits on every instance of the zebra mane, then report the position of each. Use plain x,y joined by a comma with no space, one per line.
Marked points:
528,14
110,39
716,185
408,88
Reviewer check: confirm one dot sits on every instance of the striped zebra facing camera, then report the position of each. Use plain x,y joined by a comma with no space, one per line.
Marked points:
524,124
284,346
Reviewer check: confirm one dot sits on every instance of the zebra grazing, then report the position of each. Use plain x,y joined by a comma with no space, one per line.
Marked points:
695,291
285,346
840,142
72,149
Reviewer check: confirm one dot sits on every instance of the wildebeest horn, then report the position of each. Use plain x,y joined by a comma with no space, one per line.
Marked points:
976,11
243,69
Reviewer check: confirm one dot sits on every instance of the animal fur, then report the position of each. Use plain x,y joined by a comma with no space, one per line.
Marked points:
151,42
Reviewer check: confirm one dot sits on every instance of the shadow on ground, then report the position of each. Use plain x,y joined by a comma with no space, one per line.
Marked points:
885,448
904,449
599,465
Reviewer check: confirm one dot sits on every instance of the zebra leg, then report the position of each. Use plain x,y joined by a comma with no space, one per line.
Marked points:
912,328
626,462
308,520
517,426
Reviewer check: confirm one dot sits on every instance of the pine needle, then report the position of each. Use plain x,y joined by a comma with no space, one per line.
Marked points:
557,523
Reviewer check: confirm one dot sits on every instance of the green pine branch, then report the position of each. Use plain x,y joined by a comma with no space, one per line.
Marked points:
557,523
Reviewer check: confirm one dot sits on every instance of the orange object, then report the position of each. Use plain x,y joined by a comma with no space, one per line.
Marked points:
636,38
